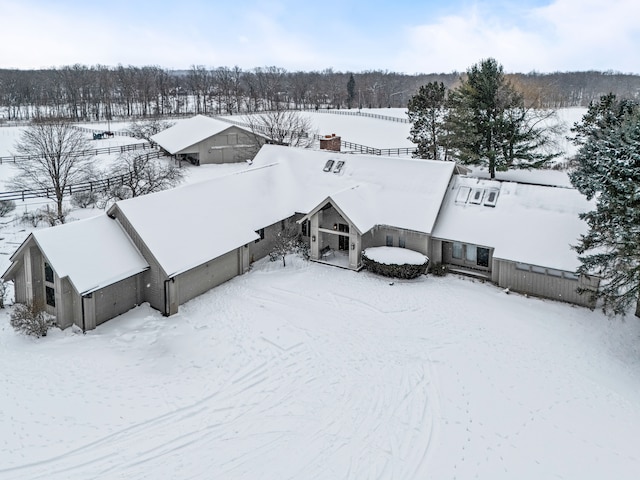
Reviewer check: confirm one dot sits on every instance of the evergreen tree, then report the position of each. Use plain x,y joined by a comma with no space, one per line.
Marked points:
490,126
427,113
351,90
607,168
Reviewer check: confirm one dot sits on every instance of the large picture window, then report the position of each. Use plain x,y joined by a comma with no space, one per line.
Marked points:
471,253
483,257
456,251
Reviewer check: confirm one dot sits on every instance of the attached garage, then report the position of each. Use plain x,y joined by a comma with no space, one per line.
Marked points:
198,280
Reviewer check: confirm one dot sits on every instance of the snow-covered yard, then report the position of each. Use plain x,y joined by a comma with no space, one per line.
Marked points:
310,371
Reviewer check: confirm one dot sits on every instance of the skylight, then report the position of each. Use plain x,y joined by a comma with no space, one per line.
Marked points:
339,166
328,166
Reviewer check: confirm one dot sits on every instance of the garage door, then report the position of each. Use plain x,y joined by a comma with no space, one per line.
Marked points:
203,278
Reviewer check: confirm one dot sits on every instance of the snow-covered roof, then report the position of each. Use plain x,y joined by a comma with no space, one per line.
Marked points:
189,132
93,253
529,223
370,189
193,224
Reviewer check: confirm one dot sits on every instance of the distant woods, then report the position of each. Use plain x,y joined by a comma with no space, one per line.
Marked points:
102,93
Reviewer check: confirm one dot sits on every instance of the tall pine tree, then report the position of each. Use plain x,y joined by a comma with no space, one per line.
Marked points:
607,168
426,112
489,125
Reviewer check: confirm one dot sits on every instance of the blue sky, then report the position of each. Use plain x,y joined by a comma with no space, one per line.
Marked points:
407,36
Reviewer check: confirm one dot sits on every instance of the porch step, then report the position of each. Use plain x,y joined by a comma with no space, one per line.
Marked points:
471,273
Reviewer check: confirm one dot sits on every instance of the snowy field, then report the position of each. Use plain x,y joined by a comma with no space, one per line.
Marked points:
311,371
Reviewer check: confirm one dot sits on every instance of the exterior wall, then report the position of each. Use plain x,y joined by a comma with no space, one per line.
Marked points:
117,298
198,280
545,282
261,248
377,237
154,278
446,255
232,145
19,282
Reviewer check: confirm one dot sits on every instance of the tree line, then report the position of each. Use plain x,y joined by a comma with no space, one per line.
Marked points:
100,92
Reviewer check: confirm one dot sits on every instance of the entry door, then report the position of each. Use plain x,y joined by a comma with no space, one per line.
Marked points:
343,240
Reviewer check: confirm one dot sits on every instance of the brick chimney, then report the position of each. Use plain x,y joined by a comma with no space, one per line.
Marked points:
330,142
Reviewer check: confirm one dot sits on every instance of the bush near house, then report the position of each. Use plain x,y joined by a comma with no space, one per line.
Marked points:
31,319
406,271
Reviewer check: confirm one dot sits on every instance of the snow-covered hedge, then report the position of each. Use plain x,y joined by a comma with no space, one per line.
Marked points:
395,262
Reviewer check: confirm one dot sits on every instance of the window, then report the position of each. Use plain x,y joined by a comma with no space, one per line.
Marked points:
463,195
328,166
570,276
389,240
402,242
51,296
306,228
48,273
483,257
456,251
471,253
536,269
522,266
491,198
476,196
261,234
554,273
339,166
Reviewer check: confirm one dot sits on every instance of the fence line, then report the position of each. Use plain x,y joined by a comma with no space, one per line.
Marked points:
93,130
351,146
101,185
82,153
359,113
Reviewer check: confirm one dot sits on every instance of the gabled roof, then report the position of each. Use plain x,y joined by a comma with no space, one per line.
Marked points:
189,132
371,190
530,224
92,253
190,225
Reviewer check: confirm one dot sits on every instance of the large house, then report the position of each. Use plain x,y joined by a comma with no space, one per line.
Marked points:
203,140
169,247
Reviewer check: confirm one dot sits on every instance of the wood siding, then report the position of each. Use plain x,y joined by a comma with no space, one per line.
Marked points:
201,279
154,278
545,285
118,298
232,145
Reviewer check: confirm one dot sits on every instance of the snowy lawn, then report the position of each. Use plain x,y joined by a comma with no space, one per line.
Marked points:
311,371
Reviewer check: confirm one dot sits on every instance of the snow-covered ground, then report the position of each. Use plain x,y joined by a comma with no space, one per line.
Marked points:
311,371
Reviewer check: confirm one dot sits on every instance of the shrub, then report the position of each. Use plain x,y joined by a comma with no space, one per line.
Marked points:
31,218
31,319
439,269
84,199
406,271
6,206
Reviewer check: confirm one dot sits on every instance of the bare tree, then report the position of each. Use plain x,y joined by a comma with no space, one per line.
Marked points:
145,129
57,159
282,127
142,175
